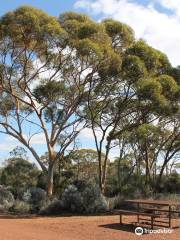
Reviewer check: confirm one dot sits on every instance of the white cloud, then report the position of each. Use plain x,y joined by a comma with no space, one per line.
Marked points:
86,138
172,5
38,139
86,133
8,144
159,29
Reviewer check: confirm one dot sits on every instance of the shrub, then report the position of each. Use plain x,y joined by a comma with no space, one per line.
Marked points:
6,198
21,207
52,208
72,199
20,175
3,209
87,199
115,202
36,197
93,200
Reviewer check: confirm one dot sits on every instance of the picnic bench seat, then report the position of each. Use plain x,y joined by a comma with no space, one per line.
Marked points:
121,212
155,213
161,210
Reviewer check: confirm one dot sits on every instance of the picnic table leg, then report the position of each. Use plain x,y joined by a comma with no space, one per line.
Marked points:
152,222
138,208
120,218
169,216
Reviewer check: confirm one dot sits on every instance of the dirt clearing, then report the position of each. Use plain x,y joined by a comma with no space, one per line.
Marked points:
75,228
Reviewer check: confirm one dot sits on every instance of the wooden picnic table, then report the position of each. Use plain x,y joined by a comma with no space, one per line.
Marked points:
161,203
154,202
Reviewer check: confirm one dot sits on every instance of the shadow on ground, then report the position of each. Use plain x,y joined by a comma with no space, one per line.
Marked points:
130,227
31,216
13,216
10,215
120,227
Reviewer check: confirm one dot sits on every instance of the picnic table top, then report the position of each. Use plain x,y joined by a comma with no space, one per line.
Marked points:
154,202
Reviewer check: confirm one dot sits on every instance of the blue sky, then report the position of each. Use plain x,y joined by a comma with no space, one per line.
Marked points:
156,21
53,7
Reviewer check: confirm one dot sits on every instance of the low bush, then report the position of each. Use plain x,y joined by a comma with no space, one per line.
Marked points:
86,199
93,200
72,199
36,198
6,198
31,202
21,207
54,207
115,202
35,195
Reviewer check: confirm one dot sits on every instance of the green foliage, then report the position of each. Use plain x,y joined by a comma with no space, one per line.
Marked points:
170,184
133,68
6,198
18,152
6,104
175,73
72,199
19,174
109,67
36,198
93,200
80,26
161,93
21,207
49,91
146,131
122,35
170,89
96,74
73,16
84,164
54,207
84,200
87,30
155,61
29,27
86,47
35,195
90,39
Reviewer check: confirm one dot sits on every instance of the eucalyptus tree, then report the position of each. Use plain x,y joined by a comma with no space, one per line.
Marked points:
138,91
19,174
146,144
170,145
46,66
60,75
154,146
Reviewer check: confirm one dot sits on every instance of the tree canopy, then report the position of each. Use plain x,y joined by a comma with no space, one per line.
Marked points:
59,76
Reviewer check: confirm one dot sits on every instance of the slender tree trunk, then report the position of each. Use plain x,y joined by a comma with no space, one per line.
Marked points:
155,171
119,174
159,178
50,180
103,182
161,173
119,166
104,176
100,170
105,166
167,171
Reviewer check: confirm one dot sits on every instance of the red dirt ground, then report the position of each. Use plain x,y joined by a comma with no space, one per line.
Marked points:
76,228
